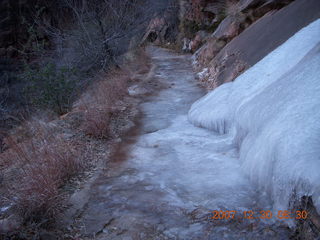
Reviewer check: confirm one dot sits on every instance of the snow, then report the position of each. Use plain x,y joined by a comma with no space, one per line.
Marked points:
272,113
136,90
203,74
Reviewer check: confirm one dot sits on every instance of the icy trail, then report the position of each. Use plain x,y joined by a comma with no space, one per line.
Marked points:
272,112
174,174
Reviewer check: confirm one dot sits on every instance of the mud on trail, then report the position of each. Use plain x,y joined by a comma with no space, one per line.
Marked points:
168,175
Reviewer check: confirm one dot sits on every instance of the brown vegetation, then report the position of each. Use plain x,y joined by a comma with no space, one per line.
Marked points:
40,157
99,104
40,165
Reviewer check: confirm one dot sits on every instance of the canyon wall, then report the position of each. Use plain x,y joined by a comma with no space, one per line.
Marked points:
228,37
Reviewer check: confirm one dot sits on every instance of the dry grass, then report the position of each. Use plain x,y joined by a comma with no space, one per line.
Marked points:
100,102
98,105
42,165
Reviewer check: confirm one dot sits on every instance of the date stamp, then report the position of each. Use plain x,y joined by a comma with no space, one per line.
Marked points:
263,214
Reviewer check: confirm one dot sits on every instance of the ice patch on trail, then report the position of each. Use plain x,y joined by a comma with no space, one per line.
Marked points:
190,180
273,112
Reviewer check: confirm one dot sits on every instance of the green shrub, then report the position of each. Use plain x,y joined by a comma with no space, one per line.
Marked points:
50,87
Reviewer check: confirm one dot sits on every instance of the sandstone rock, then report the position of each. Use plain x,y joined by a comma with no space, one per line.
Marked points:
207,52
228,28
244,14
273,4
225,70
156,31
260,8
245,5
267,5
255,42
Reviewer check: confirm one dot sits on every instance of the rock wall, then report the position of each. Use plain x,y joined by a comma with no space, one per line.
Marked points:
249,30
163,28
197,19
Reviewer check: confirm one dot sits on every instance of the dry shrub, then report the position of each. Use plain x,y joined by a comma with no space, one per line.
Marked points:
96,122
100,104
43,165
141,63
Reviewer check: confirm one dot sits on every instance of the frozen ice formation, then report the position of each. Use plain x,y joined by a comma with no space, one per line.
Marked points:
272,112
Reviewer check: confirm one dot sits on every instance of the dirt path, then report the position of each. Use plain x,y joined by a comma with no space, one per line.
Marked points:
173,174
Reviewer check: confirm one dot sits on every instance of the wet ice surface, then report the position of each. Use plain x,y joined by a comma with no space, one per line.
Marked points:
174,173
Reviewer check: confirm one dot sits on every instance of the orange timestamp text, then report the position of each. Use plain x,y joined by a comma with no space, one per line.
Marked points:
263,214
